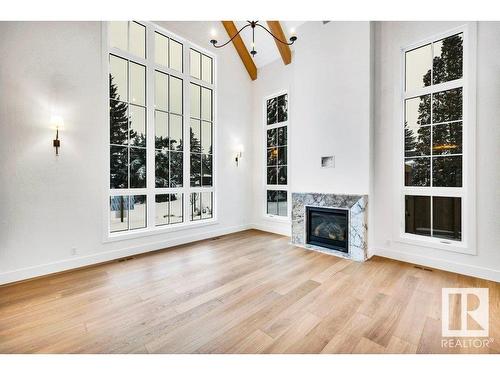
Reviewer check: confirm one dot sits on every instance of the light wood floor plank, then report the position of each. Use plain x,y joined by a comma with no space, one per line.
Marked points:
247,292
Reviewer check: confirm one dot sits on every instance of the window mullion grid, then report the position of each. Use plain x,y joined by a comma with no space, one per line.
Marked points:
200,189
150,128
277,125
434,191
200,82
150,190
432,69
128,35
168,209
431,172
127,56
169,87
437,191
128,110
201,127
275,187
449,85
432,214
186,128
269,127
431,190
168,71
131,58
168,54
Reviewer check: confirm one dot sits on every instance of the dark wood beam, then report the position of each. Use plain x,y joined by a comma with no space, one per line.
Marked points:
285,52
241,49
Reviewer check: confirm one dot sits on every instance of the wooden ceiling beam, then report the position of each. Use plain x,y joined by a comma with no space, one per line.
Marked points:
240,47
284,50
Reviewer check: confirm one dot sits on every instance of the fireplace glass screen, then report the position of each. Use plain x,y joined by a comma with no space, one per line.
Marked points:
327,227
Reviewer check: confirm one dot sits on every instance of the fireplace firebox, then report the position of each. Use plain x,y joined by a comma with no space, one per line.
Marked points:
328,227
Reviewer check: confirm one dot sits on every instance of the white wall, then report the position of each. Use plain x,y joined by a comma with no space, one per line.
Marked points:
389,38
49,204
335,91
329,83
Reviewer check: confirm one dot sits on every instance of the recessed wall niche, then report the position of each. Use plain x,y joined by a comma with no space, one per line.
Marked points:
328,162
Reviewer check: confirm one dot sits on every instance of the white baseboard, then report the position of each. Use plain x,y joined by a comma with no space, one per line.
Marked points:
278,227
445,265
67,264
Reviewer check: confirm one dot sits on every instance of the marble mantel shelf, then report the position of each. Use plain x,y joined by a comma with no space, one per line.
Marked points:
357,205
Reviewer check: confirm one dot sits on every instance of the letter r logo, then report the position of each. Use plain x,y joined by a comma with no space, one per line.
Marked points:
465,312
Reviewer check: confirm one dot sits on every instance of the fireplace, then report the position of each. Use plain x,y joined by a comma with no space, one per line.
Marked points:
354,208
327,227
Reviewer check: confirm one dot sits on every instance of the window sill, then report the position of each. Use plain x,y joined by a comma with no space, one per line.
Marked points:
436,243
139,233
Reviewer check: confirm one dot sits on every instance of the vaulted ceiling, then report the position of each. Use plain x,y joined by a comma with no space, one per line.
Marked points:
267,51
268,48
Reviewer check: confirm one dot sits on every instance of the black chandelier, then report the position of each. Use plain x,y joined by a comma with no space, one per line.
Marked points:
253,24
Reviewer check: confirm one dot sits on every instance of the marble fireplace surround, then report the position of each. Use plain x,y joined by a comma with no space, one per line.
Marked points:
358,215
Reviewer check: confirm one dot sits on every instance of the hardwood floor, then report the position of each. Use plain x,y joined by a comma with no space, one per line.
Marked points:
248,292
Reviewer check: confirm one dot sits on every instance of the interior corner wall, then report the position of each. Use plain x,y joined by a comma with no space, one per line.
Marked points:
390,37
329,113
51,205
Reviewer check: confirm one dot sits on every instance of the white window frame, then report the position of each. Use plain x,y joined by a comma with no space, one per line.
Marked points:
264,142
150,191
467,245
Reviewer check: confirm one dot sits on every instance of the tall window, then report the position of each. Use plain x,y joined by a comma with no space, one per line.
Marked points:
435,151
277,155
201,136
153,78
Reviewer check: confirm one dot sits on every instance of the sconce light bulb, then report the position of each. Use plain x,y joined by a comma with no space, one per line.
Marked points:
239,154
57,122
213,32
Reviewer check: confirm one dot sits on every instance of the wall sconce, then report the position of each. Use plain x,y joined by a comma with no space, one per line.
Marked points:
57,123
239,155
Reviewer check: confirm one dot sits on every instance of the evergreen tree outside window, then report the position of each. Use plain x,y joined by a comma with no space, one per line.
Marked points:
201,136
276,128
435,153
150,171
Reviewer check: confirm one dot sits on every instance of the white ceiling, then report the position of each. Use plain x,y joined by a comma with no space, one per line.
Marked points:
265,46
